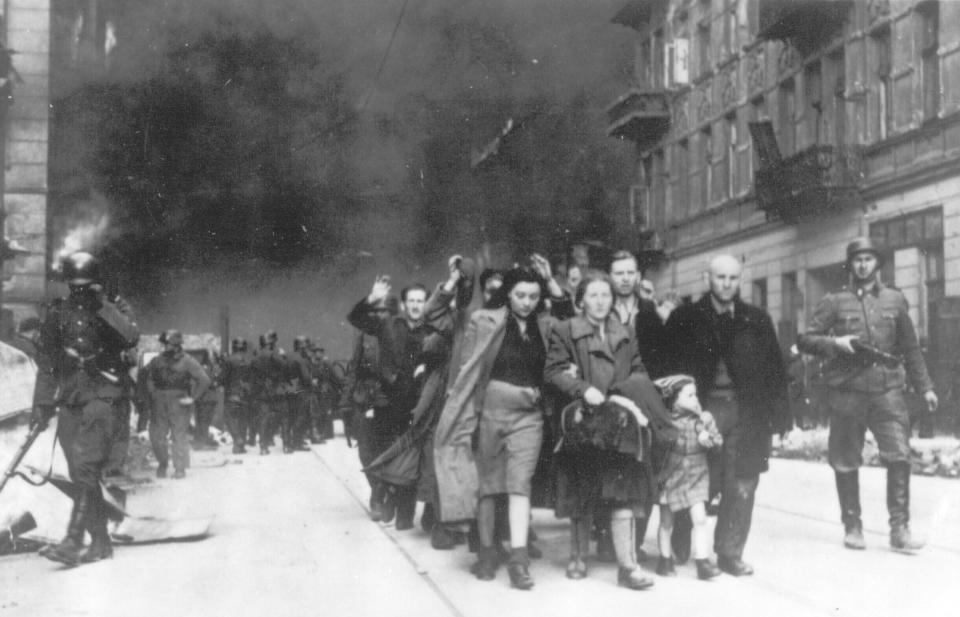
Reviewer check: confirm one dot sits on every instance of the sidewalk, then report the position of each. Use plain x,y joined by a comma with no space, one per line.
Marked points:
292,536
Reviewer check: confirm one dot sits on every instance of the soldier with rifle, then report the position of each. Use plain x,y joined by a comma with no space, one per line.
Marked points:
863,331
82,339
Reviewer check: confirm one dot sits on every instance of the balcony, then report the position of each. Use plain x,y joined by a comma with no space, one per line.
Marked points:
641,117
819,180
636,14
801,20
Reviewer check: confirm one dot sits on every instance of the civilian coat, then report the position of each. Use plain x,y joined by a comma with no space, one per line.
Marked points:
755,365
588,478
453,447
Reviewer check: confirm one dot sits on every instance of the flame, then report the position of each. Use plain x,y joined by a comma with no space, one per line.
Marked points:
86,236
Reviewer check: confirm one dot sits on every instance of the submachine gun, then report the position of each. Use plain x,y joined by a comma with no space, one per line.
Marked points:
869,355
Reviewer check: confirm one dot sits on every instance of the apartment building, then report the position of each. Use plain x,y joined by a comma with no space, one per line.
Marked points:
777,130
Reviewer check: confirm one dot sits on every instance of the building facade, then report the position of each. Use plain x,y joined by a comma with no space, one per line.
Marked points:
25,122
778,130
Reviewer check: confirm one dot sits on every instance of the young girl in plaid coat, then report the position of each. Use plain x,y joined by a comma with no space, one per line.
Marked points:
684,477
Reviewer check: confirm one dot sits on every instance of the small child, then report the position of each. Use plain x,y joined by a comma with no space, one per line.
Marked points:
684,479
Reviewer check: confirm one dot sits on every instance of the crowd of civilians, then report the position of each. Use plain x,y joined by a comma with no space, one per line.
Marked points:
583,394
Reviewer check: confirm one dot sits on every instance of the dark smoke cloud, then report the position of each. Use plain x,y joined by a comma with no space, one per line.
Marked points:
250,155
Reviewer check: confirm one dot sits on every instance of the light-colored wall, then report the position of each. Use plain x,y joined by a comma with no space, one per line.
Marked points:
25,176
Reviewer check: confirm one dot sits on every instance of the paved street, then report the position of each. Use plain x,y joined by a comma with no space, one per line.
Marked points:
291,536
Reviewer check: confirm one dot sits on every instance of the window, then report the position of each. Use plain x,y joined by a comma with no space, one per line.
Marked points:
759,295
813,102
928,15
731,25
645,64
703,47
741,166
882,121
835,118
787,112
724,167
659,64
658,214
679,180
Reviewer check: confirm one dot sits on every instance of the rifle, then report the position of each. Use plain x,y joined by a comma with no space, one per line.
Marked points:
868,354
21,452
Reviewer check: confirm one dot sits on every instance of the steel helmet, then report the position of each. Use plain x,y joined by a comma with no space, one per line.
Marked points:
81,269
863,245
301,342
172,337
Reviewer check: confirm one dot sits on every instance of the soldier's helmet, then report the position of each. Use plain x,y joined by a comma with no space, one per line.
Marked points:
301,343
238,344
171,337
81,269
863,245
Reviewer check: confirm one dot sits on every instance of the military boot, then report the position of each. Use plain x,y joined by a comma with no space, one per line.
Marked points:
848,491
898,505
68,551
100,545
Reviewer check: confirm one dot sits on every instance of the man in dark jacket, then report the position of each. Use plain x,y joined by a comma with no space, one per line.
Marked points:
400,339
731,350
866,391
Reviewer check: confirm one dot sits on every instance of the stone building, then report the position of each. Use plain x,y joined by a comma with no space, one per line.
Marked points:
52,46
24,133
778,130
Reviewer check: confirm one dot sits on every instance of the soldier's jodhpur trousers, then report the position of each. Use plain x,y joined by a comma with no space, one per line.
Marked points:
170,417
239,417
86,435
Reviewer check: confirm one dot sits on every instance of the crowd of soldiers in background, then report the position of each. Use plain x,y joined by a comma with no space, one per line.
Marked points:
266,391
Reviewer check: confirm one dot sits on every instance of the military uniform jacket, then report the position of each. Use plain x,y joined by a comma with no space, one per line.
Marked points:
879,318
236,377
177,371
267,368
80,351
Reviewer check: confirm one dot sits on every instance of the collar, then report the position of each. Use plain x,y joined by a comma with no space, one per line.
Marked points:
720,310
616,332
874,289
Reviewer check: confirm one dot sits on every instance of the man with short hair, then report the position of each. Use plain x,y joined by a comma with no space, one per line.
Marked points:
731,350
865,333
400,338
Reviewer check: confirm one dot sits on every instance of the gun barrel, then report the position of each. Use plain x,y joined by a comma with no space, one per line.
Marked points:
11,469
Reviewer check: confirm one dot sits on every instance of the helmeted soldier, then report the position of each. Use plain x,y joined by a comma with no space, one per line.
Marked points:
299,379
82,339
206,405
237,384
174,382
865,333
267,367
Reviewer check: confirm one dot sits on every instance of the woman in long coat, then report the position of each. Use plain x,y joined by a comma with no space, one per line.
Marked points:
592,358
490,432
